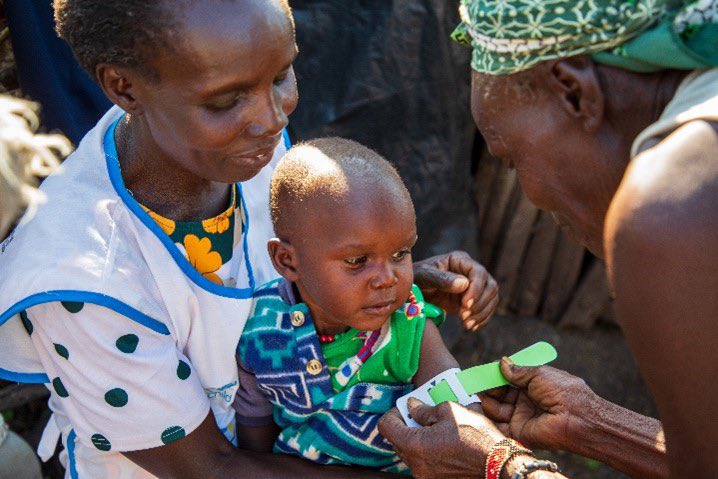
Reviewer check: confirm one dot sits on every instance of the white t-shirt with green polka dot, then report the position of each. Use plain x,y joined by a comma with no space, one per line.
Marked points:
112,378
136,345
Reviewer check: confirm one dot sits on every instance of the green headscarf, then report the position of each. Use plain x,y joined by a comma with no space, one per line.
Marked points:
508,36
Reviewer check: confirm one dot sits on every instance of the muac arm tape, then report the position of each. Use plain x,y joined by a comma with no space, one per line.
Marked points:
488,376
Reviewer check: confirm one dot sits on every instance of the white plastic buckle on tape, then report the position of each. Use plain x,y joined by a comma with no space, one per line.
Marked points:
422,393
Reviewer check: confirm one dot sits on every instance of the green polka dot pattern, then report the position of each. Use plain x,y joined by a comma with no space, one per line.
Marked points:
116,397
172,434
183,370
127,343
59,388
101,442
72,306
26,322
62,350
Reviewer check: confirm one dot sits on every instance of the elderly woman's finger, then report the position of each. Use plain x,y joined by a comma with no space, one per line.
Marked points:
511,396
393,428
496,393
519,376
423,414
497,411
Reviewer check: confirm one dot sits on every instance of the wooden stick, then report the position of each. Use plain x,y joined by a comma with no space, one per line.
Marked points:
590,300
513,250
565,271
537,266
497,214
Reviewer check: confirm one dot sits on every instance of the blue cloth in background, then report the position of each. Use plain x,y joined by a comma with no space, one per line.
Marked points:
49,74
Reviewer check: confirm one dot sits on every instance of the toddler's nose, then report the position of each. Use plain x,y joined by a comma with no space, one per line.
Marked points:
385,277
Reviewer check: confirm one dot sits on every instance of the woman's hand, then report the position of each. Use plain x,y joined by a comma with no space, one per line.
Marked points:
459,284
453,444
544,409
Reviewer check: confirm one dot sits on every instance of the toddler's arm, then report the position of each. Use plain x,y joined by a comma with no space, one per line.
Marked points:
434,358
256,430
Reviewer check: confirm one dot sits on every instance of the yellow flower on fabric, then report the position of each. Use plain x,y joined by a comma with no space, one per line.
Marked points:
202,258
218,224
167,225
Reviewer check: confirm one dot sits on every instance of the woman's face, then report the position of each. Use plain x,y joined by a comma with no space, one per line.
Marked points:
224,89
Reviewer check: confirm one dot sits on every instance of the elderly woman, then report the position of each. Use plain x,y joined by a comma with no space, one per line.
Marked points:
128,290
608,111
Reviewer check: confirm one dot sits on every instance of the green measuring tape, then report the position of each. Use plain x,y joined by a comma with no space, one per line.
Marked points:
488,376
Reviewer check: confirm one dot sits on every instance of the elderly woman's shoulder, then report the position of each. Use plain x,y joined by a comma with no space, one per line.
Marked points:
669,194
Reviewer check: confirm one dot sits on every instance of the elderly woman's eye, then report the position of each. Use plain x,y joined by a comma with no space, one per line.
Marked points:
280,79
356,261
282,76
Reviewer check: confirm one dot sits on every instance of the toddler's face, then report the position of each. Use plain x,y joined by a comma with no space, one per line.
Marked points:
354,261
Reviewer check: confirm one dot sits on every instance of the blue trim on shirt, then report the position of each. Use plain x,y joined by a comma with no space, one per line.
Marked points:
113,169
71,461
28,378
287,141
246,246
81,297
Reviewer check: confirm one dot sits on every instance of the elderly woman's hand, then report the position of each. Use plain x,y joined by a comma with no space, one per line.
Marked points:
459,284
543,410
453,444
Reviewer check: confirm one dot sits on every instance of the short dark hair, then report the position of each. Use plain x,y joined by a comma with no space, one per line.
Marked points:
120,32
326,167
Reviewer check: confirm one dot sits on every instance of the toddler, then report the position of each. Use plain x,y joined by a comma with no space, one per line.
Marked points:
331,346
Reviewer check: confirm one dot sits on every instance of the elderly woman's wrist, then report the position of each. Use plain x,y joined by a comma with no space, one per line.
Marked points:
583,421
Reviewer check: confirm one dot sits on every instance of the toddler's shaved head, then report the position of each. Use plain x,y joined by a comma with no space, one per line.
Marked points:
328,168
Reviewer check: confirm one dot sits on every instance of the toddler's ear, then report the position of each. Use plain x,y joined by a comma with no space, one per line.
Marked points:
283,258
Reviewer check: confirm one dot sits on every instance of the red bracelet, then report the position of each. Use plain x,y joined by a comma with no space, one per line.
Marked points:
500,454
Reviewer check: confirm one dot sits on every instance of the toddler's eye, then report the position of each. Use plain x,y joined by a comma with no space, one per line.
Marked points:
401,254
356,261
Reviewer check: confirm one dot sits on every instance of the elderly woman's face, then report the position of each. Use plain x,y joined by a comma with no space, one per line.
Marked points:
526,128
225,90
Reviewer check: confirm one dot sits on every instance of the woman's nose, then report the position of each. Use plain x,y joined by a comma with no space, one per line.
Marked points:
268,118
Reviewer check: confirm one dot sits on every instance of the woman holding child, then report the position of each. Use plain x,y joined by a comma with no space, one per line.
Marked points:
129,288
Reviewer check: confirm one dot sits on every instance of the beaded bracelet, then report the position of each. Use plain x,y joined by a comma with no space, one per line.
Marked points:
532,466
500,454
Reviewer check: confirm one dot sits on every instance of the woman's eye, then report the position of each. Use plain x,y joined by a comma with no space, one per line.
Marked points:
400,255
356,261
223,105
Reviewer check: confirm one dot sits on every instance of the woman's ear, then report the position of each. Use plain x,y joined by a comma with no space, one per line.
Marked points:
576,80
119,86
284,258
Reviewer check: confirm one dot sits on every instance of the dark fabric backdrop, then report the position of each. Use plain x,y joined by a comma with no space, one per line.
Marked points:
386,73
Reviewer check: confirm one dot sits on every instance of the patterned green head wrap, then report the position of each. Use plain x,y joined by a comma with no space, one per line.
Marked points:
508,36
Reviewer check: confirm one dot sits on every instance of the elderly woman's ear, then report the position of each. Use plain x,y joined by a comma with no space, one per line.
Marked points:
576,84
